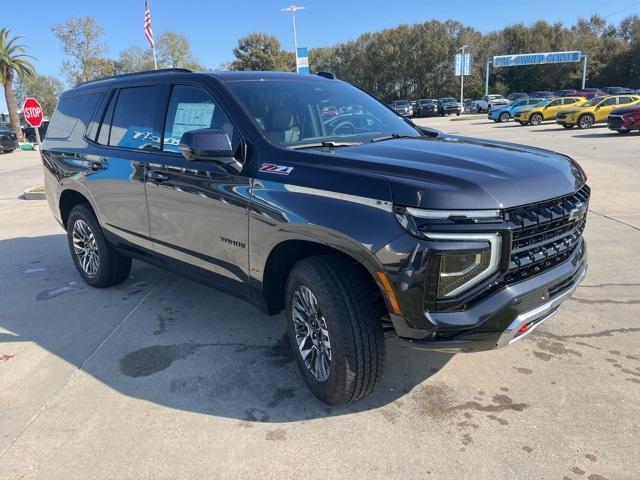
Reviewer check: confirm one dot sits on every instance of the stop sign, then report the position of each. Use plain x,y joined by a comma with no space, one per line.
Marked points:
32,112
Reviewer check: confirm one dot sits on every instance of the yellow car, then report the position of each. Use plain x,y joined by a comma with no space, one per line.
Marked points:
596,110
546,110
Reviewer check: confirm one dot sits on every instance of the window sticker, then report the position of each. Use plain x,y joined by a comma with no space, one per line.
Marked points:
189,116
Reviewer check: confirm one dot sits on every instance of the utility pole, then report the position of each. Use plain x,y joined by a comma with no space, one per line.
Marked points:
462,71
292,9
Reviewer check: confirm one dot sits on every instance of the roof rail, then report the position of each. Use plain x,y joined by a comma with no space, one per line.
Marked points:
329,75
144,72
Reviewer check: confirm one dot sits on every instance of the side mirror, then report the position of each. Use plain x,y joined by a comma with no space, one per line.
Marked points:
209,145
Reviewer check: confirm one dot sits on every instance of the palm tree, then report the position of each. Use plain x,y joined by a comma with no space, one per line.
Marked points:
13,60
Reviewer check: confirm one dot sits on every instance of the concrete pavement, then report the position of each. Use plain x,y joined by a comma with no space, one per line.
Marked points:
164,378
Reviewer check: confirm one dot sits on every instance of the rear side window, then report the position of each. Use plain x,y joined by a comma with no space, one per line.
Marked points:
72,113
137,118
624,100
569,101
609,101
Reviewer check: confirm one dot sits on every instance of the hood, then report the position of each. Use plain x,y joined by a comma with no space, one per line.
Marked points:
464,173
625,110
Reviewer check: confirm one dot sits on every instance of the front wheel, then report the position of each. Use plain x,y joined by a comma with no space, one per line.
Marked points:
504,117
97,262
585,122
9,150
334,329
536,119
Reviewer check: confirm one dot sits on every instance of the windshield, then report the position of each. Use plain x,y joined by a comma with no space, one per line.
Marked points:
447,100
290,112
427,102
594,101
402,103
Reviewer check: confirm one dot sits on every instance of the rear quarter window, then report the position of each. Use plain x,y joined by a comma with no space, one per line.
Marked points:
72,114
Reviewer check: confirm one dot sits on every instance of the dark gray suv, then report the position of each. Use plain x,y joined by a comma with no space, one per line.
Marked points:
354,224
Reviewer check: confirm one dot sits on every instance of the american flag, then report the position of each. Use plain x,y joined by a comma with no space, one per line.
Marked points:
148,32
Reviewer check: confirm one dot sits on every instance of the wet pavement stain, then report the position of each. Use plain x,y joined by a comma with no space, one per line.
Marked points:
633,380
165,319
279,395
278,435
630,372
590,457
280,353
495,418
556,348
150,360
526,371
527,449
466,439
436,401
55,292
6,357
602,333
578,471
543,356
595,476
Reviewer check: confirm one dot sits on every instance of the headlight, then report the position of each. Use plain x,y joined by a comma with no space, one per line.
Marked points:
459,271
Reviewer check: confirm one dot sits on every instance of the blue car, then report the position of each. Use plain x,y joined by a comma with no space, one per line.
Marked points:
504,114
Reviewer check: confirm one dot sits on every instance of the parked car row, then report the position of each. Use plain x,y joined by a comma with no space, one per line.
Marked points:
427,107
620,112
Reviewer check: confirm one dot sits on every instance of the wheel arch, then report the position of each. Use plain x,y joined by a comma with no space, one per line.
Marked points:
285,253
69,198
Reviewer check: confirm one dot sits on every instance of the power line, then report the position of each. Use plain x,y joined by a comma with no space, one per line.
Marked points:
623,9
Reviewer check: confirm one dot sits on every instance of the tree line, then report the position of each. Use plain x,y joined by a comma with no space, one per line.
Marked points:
416,61
407,61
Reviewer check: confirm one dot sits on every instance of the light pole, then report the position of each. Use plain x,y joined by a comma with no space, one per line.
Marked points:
292,9
462,65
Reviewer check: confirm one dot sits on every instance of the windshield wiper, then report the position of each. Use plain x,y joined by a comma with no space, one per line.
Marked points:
392,137
323,145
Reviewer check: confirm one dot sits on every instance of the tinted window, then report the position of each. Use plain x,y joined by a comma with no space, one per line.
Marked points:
569,101
191,108
289,111
533,102
555,103
70,113
609,101
137,118
625,100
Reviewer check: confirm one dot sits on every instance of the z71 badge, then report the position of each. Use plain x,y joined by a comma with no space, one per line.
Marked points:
276,169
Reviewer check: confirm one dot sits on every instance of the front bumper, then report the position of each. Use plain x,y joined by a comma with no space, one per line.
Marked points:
498,319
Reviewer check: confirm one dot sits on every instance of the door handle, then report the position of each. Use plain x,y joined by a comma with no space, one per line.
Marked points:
158,176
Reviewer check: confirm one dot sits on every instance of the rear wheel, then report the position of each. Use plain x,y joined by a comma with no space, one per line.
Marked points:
586,121
334,329
97,262
504,117
31,138
536,119
624,131
9,150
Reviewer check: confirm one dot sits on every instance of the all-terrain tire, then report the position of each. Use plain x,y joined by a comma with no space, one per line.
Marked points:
347,308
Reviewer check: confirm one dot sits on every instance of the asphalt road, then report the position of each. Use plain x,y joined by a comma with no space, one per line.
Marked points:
163,378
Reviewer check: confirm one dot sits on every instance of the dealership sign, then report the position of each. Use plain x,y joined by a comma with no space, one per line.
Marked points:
302,60
536,58
462,64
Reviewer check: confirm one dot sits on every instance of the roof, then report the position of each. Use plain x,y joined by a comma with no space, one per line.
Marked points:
244,76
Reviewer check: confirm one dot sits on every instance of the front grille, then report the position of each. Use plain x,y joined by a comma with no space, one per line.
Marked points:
545,234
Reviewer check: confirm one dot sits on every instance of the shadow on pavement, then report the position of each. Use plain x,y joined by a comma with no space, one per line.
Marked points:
608,134
176,343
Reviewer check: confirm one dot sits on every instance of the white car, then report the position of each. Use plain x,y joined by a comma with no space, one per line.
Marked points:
488,102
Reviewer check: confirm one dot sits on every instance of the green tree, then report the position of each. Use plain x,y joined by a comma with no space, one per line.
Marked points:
134,59
81,40
174,51
259,51
46,89
13,61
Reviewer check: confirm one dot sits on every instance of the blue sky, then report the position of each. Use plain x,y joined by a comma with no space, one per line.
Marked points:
214,26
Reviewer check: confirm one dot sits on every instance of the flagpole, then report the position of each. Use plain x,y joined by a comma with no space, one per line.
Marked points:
155,62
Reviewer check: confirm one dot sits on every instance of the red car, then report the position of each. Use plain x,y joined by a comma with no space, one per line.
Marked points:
625,119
